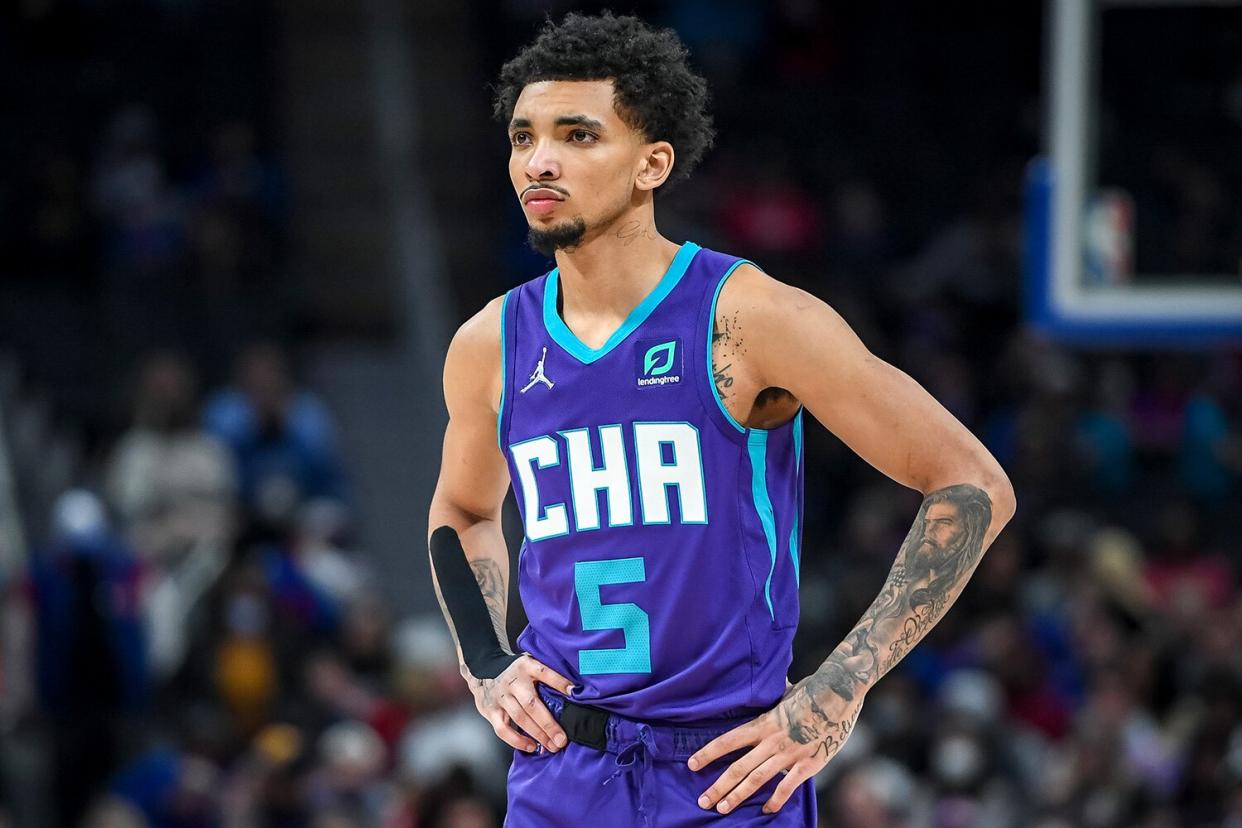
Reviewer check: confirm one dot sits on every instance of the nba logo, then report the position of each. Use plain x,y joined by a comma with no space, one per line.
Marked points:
1108,246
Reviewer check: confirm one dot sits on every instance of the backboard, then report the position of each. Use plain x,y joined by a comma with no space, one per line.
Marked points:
1133,225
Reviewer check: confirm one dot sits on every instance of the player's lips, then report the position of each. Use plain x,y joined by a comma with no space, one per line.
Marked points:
541,200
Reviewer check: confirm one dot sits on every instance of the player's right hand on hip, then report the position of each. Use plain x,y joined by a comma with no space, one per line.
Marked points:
511,699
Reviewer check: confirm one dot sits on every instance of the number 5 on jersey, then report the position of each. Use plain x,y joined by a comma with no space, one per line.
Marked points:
635,656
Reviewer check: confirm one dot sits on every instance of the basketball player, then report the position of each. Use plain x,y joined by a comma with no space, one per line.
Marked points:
647,401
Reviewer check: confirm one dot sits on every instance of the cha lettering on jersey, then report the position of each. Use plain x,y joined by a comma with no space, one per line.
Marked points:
669,464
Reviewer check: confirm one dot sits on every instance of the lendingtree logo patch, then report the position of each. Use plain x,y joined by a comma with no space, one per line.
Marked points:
658,362
659,359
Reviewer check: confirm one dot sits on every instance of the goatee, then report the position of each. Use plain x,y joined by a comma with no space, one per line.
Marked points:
566,235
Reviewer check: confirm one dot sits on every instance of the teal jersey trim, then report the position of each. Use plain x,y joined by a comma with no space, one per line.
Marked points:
566,338
793,533
757,446
504,358
797,436
711,326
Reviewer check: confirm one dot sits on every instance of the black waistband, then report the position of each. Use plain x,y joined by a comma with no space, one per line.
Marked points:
585,724
594,727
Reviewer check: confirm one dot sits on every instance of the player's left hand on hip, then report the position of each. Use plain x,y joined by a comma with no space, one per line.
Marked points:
797,737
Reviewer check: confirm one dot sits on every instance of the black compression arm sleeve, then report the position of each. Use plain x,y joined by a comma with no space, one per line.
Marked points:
484,656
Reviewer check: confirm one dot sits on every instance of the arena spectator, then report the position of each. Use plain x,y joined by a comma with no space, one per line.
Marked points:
282,437
90,660
171,483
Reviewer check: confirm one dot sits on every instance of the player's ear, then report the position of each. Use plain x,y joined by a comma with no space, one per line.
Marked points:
655,165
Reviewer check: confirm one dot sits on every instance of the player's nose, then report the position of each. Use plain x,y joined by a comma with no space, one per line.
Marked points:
543,163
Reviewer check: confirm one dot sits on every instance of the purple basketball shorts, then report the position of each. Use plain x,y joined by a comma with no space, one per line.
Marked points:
639,781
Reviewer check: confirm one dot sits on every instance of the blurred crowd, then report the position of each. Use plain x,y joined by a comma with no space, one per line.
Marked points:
195,639
191,638
197,643
141,202
193,260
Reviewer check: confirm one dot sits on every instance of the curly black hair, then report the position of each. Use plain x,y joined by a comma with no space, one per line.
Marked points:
655,90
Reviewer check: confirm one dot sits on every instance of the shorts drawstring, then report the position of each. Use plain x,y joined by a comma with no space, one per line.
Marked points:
641,749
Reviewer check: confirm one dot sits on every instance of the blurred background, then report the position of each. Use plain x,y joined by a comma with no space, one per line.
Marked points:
235,236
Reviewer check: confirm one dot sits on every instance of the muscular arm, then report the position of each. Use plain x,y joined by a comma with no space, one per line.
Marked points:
788,345
796,344
473,478
924,581
468,497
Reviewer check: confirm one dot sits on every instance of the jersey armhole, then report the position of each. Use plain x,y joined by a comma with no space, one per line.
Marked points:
709,394
505,329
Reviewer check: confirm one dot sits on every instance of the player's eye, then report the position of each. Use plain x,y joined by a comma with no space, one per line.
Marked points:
590,139
517,135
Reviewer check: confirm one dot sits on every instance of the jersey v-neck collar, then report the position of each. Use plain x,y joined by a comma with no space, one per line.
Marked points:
568,340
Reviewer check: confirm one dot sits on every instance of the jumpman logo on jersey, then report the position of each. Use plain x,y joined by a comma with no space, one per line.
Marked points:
538,375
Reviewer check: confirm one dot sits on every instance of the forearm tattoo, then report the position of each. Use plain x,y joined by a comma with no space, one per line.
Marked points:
492,585
936,559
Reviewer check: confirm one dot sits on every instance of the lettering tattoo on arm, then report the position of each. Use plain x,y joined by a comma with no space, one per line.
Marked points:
936,559
492,585
727,345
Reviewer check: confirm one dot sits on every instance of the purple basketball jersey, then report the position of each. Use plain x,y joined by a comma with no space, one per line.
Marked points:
659,566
